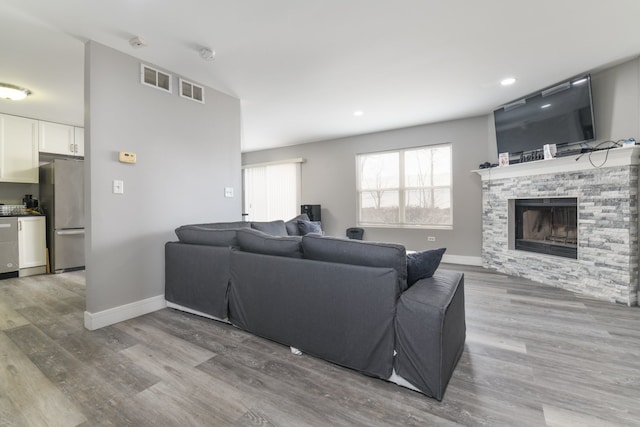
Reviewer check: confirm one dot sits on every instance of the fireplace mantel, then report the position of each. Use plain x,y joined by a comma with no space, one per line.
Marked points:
623,156
608,263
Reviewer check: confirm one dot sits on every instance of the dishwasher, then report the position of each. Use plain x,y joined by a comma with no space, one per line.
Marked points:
8,247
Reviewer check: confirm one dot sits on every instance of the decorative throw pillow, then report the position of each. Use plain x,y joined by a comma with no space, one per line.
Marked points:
421,265
292,224
309,227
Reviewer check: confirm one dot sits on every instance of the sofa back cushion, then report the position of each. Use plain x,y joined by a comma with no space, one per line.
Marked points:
261,243
357,252
273,228
224,225
199,235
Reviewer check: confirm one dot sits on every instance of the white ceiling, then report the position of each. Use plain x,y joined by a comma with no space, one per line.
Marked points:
302,67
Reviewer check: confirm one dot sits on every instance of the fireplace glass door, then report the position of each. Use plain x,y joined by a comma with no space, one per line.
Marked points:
547,226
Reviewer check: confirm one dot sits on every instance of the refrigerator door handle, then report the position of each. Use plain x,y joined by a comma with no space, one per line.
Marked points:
69,232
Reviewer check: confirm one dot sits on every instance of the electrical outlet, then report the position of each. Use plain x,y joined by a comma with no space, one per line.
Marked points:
228,191
431,238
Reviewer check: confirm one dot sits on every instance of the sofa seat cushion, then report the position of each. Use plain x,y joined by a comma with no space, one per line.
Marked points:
358,252
422,265
261,243
273,228
199,235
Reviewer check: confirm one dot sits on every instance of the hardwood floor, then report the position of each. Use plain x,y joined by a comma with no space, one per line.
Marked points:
534,356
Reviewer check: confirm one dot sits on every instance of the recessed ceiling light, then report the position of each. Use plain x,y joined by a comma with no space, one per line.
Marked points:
358,113
508,81
13,92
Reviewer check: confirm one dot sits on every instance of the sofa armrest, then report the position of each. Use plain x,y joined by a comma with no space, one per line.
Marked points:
430,331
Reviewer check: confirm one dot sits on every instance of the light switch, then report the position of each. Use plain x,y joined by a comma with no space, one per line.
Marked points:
118,186
228,191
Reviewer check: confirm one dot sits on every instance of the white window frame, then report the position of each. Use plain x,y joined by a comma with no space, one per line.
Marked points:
270,216
402,190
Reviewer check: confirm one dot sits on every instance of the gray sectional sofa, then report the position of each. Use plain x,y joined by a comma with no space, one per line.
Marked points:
345,301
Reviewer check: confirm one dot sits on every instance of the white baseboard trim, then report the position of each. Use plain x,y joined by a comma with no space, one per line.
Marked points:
93,321
462,259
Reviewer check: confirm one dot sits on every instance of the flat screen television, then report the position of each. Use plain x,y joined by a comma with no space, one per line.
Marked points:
561,115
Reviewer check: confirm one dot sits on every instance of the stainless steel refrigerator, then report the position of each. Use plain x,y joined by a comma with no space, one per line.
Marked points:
62,198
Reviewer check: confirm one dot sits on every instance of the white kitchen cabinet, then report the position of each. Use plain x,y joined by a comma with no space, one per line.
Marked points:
56,138
18,149
32,245
78,141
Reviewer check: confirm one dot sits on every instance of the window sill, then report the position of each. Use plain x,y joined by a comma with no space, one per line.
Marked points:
407,226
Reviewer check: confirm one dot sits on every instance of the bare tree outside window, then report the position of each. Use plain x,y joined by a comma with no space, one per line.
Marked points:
410,187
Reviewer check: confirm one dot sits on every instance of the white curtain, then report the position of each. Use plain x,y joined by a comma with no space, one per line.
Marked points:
272,191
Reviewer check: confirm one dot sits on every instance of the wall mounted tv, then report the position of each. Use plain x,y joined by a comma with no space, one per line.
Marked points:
561,115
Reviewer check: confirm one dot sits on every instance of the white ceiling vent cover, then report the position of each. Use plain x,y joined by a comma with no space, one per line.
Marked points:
151,77
191,91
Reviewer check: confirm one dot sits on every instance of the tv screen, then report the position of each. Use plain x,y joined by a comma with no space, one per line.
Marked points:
561,115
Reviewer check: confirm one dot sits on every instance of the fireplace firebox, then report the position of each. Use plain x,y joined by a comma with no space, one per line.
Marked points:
547,226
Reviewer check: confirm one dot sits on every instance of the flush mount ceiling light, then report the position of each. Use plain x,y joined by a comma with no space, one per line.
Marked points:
358,113
508,81
207,54
13,92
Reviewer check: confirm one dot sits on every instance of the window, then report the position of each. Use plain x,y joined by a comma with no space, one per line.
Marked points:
406,188
272,190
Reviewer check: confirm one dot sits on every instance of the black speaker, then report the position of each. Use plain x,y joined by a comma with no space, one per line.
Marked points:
312,211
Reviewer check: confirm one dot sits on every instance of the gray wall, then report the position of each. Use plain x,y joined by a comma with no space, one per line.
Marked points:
616,97
328,176
187,153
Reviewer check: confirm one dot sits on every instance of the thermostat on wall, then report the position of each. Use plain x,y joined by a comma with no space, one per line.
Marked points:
127,157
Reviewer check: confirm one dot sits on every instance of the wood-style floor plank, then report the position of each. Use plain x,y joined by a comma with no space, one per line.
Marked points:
37,400
535,355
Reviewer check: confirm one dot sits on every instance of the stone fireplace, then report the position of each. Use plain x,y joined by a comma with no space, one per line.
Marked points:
566,222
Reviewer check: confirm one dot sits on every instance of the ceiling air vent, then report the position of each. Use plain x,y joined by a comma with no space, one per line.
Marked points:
155,78
191,90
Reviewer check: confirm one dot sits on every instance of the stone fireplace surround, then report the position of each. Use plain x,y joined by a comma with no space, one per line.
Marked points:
607,193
